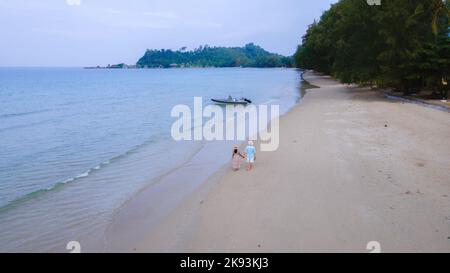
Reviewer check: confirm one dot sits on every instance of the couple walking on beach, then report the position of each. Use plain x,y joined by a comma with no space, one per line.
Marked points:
250,153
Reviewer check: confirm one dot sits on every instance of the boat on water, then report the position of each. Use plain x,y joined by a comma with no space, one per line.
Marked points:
231,100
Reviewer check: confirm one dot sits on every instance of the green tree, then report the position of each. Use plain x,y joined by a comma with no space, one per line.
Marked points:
403,44
250,55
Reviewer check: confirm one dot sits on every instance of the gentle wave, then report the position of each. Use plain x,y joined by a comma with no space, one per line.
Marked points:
58,185
28,125
10,115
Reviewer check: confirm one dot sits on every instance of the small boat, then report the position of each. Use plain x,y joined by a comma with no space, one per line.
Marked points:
231,100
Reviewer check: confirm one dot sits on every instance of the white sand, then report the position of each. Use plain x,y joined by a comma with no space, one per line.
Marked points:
339,179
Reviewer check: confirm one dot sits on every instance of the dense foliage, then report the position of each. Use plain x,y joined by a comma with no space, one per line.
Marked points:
403,44
248,56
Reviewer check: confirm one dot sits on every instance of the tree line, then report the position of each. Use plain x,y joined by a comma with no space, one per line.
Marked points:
250,55
401,44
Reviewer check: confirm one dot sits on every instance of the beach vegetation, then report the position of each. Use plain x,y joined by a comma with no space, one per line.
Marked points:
400,44
250,55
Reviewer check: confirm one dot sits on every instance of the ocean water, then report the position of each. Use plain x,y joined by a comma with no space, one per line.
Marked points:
76,144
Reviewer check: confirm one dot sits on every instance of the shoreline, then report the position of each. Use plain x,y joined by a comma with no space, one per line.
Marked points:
345,177
137,215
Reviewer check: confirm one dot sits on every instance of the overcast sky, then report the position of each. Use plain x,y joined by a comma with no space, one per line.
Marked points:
91,32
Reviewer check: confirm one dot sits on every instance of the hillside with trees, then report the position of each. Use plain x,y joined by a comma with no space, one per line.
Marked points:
248,56
402,44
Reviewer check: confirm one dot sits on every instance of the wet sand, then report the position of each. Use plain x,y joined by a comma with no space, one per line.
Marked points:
352,167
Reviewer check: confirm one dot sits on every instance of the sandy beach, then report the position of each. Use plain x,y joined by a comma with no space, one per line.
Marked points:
352,167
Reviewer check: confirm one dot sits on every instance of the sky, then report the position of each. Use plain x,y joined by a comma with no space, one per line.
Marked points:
101,32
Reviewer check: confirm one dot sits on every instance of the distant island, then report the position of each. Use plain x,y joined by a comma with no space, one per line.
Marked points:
250,55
